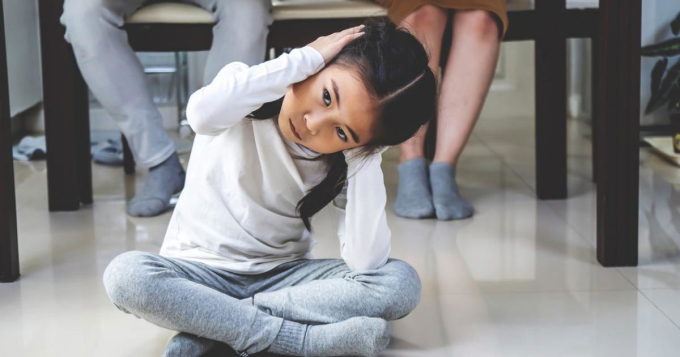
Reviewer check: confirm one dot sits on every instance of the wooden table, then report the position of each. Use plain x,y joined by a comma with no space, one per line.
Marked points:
615,132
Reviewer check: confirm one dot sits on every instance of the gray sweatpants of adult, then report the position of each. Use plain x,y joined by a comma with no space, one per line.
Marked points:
116,77
211,306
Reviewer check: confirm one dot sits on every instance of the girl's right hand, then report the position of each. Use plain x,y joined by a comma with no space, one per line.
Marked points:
329,46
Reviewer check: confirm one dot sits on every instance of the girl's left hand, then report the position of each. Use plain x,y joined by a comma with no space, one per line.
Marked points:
329,46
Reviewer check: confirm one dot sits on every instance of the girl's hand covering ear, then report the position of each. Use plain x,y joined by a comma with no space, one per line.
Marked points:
329,46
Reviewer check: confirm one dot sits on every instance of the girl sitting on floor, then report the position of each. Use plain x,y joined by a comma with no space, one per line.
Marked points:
235,266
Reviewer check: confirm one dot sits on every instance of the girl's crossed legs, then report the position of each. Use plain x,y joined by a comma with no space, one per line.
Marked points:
250,313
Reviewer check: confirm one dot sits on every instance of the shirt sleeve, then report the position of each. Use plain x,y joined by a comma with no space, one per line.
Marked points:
365,238
238,90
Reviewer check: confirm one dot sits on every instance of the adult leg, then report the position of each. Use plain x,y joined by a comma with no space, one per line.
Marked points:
240,33
116,77
465,84
414,199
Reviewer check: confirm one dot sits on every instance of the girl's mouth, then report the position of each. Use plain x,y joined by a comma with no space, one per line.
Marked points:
292,128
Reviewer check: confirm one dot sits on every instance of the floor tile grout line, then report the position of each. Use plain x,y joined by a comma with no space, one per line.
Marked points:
658,308
578,233
544,292
628,280
507,164
552,209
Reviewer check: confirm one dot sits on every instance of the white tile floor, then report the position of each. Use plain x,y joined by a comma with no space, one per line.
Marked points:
518,279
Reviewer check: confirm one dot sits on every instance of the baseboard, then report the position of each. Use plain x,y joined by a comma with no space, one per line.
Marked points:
17,126
20,121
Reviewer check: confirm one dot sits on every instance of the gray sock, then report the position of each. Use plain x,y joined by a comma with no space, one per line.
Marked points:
414,199
447,200
358,336
185,344
163,181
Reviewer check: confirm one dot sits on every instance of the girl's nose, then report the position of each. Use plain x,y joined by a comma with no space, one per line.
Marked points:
313,124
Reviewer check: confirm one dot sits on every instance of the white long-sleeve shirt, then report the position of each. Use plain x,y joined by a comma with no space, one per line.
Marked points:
237,211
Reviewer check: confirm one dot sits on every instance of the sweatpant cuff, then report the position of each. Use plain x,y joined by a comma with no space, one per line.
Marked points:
290,340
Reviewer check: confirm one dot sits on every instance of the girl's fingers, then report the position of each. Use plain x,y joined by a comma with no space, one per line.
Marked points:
341,43
351,37
350,30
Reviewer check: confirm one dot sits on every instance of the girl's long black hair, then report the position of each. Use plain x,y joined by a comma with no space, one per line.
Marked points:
393,66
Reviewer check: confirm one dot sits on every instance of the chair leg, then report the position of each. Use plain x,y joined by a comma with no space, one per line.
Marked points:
62,95
9,251
594,53
618,122
128,159
551,105
82,117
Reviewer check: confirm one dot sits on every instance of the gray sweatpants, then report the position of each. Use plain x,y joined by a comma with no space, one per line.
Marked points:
211,306
116,77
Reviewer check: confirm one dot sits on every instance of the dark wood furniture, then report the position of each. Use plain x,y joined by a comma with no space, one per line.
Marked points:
9,250
67,126
618,125
549,25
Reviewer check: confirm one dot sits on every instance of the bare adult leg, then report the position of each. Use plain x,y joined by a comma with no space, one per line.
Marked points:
414,199
467,77
116,77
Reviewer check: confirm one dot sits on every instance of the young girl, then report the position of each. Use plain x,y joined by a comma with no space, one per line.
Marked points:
235,267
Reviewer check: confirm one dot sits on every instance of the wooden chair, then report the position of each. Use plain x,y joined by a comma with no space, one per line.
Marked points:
298,23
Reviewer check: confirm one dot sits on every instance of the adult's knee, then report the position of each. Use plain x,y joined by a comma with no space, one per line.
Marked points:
87,20
427,16
481,23
400,290
246,18
126,280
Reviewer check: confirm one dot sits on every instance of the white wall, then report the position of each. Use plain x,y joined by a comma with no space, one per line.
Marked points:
23,54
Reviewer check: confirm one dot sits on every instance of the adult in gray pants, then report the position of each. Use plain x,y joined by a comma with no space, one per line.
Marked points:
116,77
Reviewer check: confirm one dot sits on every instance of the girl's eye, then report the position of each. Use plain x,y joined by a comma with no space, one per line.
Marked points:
326,98
341,134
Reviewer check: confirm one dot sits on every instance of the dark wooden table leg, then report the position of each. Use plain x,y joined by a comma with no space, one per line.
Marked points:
82,119
617,131
69,177
551,102
594,54
9,250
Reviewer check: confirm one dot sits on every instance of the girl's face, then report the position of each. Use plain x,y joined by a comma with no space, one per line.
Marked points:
328,112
